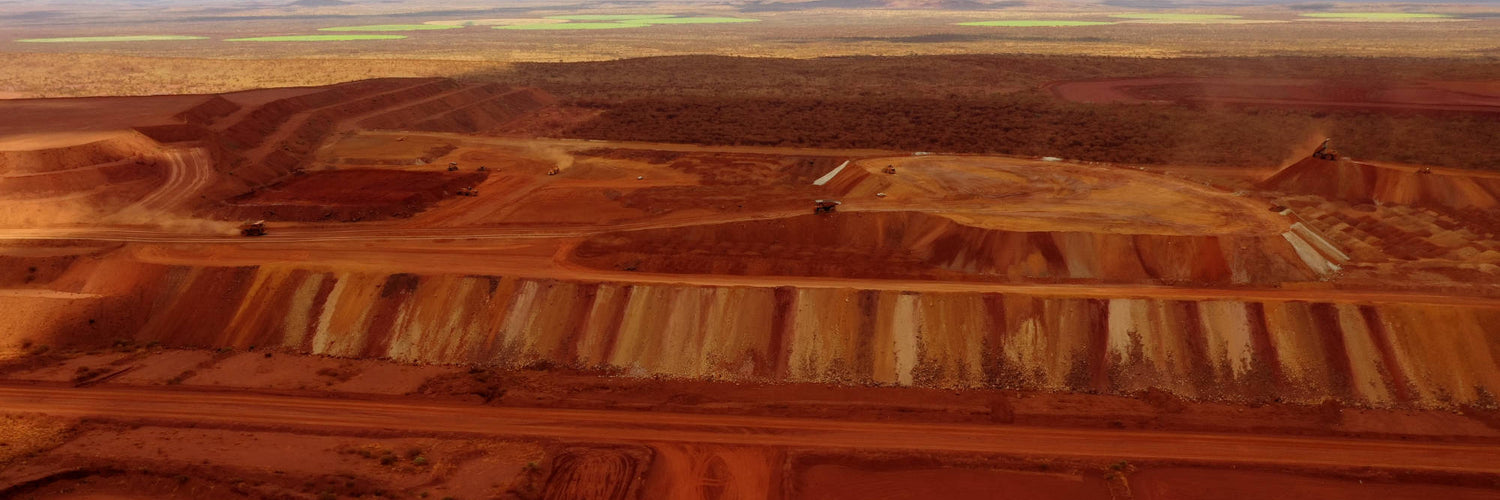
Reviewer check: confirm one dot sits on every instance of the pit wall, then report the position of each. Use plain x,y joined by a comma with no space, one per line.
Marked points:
1364,183
1389,354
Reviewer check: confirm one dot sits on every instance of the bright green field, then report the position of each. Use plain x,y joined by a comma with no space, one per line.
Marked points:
690,20
1176,17
611,17
316,38
570,26
1029,23
130,38
392,27
1373,15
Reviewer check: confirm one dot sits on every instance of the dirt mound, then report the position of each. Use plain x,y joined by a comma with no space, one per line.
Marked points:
177,132
256,126
283,134
203,114
469,110
239,142
120,146
613,473
911,245
1358,182
349,195
56,184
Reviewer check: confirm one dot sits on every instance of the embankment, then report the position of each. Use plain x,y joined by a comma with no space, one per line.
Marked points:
1358,182
1359,353
122,146
915,245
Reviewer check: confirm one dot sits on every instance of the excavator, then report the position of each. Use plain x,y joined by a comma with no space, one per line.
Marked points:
467,191
825,206
257,228
1325,151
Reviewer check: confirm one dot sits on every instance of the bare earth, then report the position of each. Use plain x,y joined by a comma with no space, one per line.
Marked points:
637,319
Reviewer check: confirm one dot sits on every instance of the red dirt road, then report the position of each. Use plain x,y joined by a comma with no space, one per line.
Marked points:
605,426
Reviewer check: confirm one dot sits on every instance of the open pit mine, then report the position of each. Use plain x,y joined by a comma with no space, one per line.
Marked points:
374,221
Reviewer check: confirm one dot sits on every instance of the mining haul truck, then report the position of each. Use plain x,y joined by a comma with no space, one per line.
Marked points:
825,206
257,228
1325,151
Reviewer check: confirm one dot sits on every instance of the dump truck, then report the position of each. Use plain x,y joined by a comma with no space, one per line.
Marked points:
554,171
825,206
256,228
889,169
467,191
1325,151
452,166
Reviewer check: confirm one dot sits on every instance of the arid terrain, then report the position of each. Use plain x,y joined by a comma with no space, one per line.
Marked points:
1044,274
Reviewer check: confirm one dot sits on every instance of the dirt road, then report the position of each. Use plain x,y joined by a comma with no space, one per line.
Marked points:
277,411
423,249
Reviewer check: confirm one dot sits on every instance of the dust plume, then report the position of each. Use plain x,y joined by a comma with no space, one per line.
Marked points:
135,215
1304,148
559,157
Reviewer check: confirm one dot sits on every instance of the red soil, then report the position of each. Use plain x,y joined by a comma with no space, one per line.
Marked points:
138,152
684,268
597,473
469,110
1205,484
840,482
350,195
1428,96
917,245
1360,182
114,147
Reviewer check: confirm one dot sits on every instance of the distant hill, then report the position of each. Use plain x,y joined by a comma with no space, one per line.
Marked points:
783,6
317,3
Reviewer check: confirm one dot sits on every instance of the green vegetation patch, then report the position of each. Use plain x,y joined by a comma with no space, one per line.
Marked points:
570,26
691,20
1176,18
1384,16
1033,23
126,38
611,17
316,38
393,27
